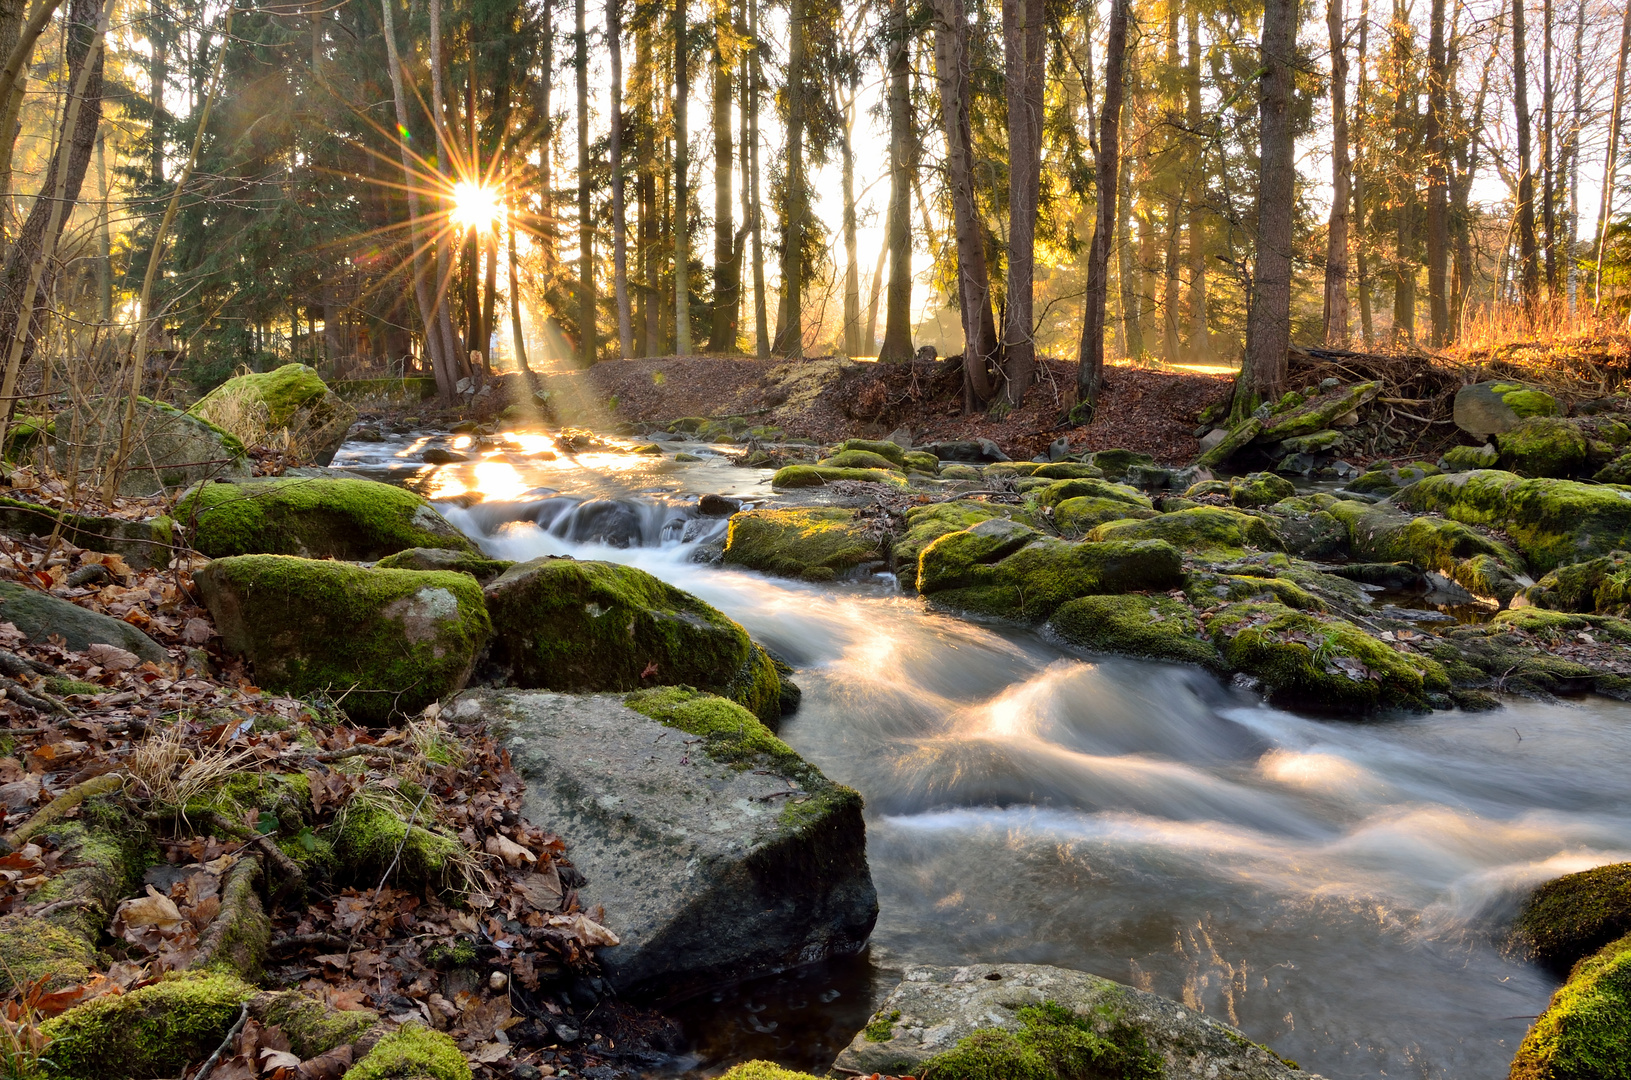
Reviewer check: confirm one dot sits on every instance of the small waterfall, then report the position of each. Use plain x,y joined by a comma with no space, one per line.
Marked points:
618,523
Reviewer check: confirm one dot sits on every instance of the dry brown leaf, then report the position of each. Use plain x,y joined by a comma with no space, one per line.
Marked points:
511,852
153,911
113,658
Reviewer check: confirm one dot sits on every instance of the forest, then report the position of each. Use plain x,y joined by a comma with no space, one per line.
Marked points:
446,188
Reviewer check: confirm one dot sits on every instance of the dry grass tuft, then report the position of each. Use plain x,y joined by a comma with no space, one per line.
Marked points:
175,773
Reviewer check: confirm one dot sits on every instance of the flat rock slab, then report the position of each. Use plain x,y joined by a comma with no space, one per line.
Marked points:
707,872
940,1006
39,615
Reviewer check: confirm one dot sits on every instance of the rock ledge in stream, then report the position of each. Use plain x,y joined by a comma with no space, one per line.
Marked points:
718,853
935,1008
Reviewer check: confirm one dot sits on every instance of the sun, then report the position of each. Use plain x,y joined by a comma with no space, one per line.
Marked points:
475,206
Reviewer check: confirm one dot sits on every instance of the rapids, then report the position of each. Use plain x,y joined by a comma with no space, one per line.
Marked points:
1338,890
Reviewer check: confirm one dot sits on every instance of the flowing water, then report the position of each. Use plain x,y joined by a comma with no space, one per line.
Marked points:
1336,889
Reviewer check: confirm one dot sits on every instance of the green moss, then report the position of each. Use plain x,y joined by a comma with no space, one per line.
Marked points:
1260,489
1552,522
473,563
1617,471
1060,490
764,1070
311,1027
859,459
882,447
382,642
1321,412
793,543
285,797
1543,446
34,948
881,1028
1388,480
1149,626
585,626
1527,402
321,518
922,461
284,391
1052,1043
1573,916
1321,664
1465,458
1482,565
62,687
1116,462
1011,468
731,733
1081,515
926,524
1069,470
1557,626
801,476
1205,528
960,472
412,1052
372,835
1585,1033
155,1031
1600,585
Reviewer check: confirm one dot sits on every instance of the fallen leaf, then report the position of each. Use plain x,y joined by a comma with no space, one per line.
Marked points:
508,850
113,658
279,1059
155,910
542,890
329,1066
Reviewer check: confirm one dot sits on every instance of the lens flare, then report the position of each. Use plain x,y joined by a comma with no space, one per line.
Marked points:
475,206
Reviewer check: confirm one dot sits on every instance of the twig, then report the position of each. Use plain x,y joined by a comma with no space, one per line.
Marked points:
405,756
214,1059
40,701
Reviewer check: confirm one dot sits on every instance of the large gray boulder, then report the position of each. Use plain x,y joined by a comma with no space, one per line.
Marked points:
1494,408
936,1008
142,544
718,852
39,615
169,450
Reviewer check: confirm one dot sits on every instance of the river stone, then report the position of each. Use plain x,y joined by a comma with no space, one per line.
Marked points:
708,872
142,544
38,615
292,400
934,1008
1494,408
170,450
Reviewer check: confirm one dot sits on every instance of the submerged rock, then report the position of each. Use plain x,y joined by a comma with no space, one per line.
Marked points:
718,852
381,643
39,615
561,624
1031,1022
814,543
292,400
1491,408
1552,522
314,518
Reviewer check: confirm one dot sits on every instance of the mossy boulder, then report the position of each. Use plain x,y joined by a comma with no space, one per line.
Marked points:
561,624
961,472
311,1027
142,544
1087,487
814,543
169,450
859,459
1543,446
1254,489
383,643
926,524
412,1052
1585,1032
1388,479
1617,471
1571,917
1311,533
1069,470
1598,586
1478,563
38,615
291,402
1116,461
1490,408
764,1070
473,563
1558,626
1467,458
1322,664
1209,529
1320,412
1238,438
1078,516
1502,657
893,452
1149,626
1004,569
1552,522
804,476
317,518
922,461
155,1031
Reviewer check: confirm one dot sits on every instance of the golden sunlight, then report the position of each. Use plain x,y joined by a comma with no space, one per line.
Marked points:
475,206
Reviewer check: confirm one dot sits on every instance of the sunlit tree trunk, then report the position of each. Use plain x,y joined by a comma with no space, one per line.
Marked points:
444,164
722,331
852,271
1438,210
1106,171
1612,153
1024,42
897,319
1548,154
761,318
1200,335
1528,245
588,347
1336,240
518,340
790,329
1362,278
620,243
682,197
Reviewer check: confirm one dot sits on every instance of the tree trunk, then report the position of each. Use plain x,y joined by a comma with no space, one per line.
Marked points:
620,242
722,334
953,70
1200,335
1336,239
104,238
1548,155
1611,155
790,332
1173,182
876,289
1528,251
1106,170
1571,162
1127,271
1461,188
1438,210
489,299
588,347
852,271
1362,279
549,235
1268,320
12,13
650,248
444,162
897,322
682,191
1404,182
1024,49
518,340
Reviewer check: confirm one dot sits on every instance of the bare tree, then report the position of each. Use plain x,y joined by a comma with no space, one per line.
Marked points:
897,319
1438,210
1528,248
1024,49
587,346
1612,154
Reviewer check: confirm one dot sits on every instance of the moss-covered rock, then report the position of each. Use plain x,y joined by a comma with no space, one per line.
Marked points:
1467,458
803,476
926,524
882,447
291,401
383,643
142,544
378,832
1078,516
1558,626
922,461
311,1027
412,1052
1086,487
1321,664
1151,626
473,563
1069,470
1599,586
39,615
1238,438
1312,534
814,543
859,459
169,449
1003,469
560,624
1320,412
960,472
1552,522
1203,529
1003,569
764,1070
1254,489
1116,461
1494,656
318,518
1490,408
1543,446
1585,1032
1478,563
1389,479
1573,916
155,1031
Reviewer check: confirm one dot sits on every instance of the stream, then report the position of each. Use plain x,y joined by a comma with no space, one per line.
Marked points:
1338,890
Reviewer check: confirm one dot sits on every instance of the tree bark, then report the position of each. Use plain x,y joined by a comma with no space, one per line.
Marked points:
682,195
1528,249
620,242
588,347
790,331
722,333
518,340
1611,157
1403,182
1362,280
852,271
1268,320
1106,170
444,162
1200,335
897,322
761,316
1438,210
1024,49
1548,154
1336,239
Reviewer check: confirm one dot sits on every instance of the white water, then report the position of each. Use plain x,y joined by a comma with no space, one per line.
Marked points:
1338,890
